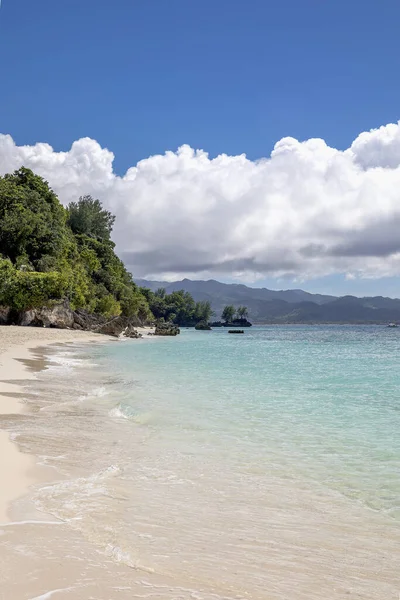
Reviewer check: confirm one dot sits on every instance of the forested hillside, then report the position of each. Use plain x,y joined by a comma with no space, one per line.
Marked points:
50,253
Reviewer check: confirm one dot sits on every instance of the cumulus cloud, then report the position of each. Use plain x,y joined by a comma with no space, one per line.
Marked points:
307,210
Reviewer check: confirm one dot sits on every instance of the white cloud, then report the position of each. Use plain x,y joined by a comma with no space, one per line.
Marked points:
306,211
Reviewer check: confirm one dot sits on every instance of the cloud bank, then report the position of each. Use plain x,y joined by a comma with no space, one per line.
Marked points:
306,211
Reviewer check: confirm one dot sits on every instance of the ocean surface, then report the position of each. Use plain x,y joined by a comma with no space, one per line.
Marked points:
213,466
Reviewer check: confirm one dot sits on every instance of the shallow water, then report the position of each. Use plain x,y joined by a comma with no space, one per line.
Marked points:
257,466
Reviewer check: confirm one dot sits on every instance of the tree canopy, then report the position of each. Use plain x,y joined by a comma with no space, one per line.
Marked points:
242,312
228,313
231,314
49,253
88,217
178,307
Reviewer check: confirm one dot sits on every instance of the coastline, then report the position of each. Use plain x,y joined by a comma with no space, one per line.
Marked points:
54,556
17,470
106,487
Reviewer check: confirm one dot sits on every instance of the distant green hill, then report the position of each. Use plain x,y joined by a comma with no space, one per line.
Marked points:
286,306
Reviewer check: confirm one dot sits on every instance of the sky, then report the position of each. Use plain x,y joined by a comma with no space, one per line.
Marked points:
247,141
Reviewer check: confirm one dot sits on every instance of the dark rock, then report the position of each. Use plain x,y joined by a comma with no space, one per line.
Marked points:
238,323
5,315
166,329
88,321
61,316
202,326
114,327
130,332
216,324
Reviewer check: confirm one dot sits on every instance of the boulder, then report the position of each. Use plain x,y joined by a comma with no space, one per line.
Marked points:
5,315
59,316
130,332
202,326
166,329
87,321
113,327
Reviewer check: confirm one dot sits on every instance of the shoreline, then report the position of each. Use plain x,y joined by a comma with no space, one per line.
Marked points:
54,556
17,469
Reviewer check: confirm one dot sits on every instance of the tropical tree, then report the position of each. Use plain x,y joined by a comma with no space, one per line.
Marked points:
49,253
228,313
160,292
88,217
32,220
203,311
242,312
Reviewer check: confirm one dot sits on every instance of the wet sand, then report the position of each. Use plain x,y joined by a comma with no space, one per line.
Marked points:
307,544
42,557
16,363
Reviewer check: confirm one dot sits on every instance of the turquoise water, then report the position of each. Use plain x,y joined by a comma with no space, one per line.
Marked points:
328,397
264,465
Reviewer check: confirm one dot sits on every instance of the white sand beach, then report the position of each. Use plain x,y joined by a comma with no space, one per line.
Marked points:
16,468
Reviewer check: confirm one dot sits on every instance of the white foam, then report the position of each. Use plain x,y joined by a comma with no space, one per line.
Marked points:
140,418
98,392
49,594
66,361
12,523
117,413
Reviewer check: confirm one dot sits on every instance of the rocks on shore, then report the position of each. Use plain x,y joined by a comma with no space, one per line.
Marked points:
166,329
4,315
61,316
202,326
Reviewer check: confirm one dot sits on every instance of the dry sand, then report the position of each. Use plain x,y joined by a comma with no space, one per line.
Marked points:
17,469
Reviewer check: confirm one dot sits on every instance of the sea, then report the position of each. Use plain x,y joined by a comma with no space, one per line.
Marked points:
212,466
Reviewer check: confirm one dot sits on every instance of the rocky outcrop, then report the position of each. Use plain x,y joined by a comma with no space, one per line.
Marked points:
166,329
131,332
61,316
238,323
202,326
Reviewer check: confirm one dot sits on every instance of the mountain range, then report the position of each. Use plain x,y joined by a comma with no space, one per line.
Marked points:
285,306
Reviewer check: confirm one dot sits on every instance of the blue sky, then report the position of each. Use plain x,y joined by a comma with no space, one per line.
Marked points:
143,77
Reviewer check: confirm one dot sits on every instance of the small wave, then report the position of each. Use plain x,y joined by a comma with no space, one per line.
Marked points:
98,392
121,556
123,411
117,413
65,361
72,500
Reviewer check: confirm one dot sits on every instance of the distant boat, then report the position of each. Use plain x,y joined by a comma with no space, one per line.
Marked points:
392,325
236,331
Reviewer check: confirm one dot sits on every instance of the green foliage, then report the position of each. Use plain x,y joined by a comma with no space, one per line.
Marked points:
88,217
242,312
32,221
108,306
177,307
48,253
228,313
24,289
